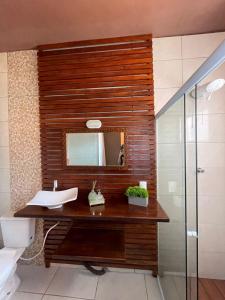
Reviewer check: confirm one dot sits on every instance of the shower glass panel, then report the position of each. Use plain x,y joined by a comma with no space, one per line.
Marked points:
171,195
191,176
211,178
177,194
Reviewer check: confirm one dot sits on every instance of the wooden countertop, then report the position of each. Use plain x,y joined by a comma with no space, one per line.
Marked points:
113,210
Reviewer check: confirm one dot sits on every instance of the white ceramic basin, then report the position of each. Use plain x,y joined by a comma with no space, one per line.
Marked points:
54,199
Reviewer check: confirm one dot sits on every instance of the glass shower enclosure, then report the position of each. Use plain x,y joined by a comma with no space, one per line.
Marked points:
179,131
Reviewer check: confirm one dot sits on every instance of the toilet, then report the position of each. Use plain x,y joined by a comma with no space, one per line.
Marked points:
18,234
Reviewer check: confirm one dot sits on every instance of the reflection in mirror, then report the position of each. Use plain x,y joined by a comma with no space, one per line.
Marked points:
95,149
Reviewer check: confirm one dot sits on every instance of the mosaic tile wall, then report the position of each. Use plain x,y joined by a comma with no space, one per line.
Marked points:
24,134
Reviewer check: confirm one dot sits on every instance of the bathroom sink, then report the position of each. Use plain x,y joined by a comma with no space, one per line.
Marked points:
55,199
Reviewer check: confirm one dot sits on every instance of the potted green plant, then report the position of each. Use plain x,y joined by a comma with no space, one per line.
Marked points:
137,195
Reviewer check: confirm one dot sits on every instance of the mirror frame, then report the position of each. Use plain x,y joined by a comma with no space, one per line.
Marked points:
86,130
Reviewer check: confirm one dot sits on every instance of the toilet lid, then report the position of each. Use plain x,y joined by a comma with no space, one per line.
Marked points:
6,267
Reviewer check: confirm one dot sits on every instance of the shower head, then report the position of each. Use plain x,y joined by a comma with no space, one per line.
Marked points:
215,85
208,88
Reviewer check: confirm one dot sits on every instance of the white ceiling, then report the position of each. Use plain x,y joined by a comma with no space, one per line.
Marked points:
24,24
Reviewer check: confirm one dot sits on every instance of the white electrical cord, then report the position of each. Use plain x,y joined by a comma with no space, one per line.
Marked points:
43,245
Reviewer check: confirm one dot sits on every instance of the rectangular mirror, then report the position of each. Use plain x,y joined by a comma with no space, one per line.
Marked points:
95,149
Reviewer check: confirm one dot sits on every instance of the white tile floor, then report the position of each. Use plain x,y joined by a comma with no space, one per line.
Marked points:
75,283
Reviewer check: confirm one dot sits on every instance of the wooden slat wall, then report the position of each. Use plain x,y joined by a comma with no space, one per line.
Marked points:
110,80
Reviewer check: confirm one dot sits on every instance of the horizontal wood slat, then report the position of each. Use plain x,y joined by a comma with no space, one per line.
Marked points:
72,61
104,91
123,63
51,79
120,53
134,38
70,88
96,71
98,48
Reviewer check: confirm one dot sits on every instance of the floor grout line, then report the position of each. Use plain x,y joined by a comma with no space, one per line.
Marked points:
146,287
59,296
96,288
26,292
69,297
57,268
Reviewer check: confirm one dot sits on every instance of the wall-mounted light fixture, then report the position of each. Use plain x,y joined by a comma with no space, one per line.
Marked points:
93,124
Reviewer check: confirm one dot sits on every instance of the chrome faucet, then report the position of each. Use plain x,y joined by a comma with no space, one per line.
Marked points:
55,185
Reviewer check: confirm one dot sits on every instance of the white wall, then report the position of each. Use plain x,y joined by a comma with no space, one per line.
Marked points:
175,60
4,137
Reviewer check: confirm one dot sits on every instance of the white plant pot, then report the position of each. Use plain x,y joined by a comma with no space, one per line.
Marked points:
138,201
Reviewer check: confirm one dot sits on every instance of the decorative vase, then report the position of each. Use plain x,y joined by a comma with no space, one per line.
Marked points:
138,201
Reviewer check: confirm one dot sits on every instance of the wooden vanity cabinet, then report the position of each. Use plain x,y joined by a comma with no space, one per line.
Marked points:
102,243
114,235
